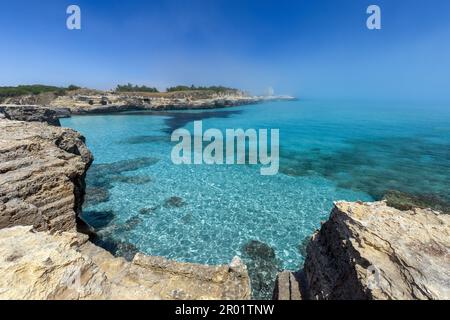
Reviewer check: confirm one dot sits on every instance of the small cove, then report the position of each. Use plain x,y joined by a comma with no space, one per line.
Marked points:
139,201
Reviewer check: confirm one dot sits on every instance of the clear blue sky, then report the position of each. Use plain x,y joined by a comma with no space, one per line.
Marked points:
314,48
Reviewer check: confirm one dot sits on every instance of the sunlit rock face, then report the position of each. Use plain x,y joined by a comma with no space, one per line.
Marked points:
42,170
373,251
41,265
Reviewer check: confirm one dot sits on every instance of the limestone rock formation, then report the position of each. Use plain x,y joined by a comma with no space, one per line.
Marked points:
373,251
42,171
36,265
84,100
30,113
40,265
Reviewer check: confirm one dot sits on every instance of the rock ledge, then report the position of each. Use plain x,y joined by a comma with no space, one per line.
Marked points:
42,170
373,251
40,265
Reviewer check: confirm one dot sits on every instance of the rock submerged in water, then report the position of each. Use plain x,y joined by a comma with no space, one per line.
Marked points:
146,139
105,174
123,165
259,250
96,195
147,211
174,202
373,251
405,201
263,267
138,180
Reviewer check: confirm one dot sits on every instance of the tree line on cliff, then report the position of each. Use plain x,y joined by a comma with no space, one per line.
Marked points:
35,89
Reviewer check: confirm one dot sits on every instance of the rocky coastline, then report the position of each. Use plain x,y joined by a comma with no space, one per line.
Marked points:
363,251
44,251
86,101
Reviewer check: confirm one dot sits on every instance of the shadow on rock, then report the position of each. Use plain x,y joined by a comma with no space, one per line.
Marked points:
148,211
104,174
375,166
95,195
98,219
131,179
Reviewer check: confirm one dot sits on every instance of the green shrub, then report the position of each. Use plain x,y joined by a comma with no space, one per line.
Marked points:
200,88
134,88
35,89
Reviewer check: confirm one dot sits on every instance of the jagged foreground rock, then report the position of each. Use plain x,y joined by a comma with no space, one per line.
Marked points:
38,265
30,113
372,251
42,171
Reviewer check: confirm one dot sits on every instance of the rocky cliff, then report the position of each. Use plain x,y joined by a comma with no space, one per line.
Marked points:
30,113
40,265
42,170
373,251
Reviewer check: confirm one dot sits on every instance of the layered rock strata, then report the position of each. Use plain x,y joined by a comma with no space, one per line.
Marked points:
42,171
373,251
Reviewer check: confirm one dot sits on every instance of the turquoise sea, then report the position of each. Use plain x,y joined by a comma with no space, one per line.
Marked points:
329,150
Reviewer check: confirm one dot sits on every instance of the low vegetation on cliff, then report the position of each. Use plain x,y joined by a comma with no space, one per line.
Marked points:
217,89
13,92
135,88
35,89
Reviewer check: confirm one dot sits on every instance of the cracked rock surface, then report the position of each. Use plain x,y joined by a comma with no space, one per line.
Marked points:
372,251
42,171
65,265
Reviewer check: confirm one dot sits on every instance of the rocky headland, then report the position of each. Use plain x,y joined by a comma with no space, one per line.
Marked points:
85,101
42,171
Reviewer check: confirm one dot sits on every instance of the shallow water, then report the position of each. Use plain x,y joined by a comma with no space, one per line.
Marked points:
210,213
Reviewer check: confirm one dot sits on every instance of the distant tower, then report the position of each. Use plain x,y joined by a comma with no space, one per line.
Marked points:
269,91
